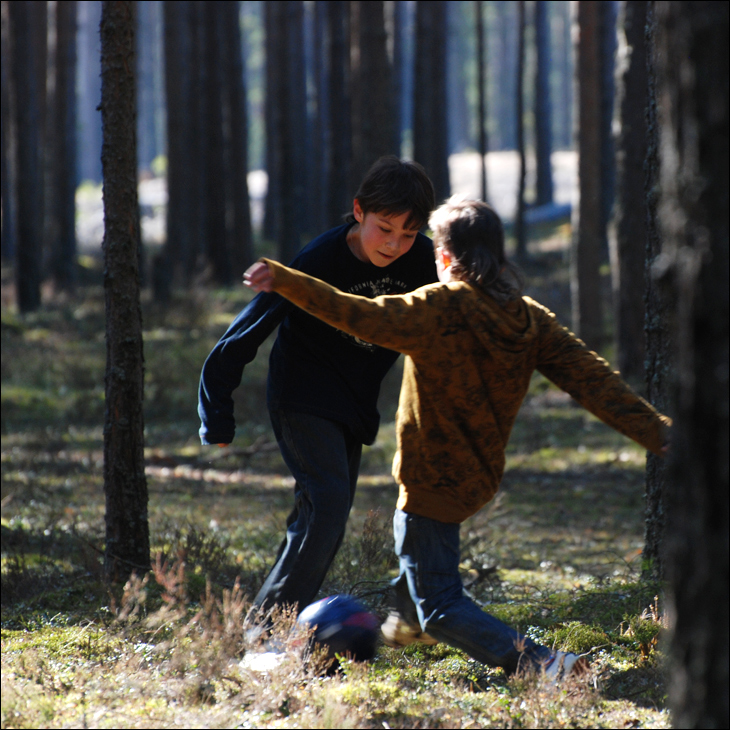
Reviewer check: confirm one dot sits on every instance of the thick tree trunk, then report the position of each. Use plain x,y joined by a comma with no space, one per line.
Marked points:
125,485
372,89
430,138
628,235
585,280
692,84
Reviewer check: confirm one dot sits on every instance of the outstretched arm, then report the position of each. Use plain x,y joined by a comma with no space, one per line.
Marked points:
396,322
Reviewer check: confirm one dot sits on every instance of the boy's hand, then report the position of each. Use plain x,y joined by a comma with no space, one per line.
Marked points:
258,277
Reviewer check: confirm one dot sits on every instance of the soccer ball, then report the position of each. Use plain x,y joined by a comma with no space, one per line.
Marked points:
343,626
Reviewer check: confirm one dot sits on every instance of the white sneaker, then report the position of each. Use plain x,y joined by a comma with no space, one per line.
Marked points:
562,664
262,662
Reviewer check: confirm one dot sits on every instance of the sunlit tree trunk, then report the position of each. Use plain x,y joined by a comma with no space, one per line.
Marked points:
628,235
692,84
125,485
585,281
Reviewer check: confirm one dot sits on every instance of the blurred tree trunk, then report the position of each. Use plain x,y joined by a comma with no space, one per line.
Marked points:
692,84
273,30
8,146
240,241
543,106
399,56
659,342
607,24
147,13
125,485
430,137
628,235
339,193
217,253
173,262
506,74
372,88
320,144
585,280
62,143
29,172
482,98
89,80
459,20
520,233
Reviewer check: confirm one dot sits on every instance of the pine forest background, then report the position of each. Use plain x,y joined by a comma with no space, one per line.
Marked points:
152,150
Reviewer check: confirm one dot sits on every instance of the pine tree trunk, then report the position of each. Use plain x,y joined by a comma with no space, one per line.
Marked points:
372,89
172,263
585,281
520,232
29,177
692,84
543,107
339,192
628,235
125,485
240,242
430,138
659,343
62,201
482,98
216,243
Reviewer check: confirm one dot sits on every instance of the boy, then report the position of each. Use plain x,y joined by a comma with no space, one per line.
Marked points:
323,385
471,343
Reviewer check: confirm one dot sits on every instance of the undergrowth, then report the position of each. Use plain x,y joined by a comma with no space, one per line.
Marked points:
557,555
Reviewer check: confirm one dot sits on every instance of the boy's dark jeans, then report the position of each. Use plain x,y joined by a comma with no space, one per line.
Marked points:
429,592
324,459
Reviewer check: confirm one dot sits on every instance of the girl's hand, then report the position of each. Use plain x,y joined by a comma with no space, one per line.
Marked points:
258,278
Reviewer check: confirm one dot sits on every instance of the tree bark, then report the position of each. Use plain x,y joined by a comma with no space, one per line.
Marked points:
520,232
543,107
585,280
240,241
430,140
692,88
62,203
372,89
29,177
659,342
627,240
482,98
125,485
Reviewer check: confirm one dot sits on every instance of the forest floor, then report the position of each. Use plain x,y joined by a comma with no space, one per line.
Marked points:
557,554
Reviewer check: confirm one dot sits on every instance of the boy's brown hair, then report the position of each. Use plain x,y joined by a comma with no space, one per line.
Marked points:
472,232
397,186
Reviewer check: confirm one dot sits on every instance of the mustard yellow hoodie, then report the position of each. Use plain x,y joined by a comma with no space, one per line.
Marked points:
468,366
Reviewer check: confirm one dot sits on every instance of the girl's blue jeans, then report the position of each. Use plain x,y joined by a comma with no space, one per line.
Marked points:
429,592
324,459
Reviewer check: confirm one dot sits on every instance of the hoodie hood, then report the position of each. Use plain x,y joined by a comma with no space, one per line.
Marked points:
511,326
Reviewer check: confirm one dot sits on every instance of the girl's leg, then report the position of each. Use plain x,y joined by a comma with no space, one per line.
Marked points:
324,459
428,551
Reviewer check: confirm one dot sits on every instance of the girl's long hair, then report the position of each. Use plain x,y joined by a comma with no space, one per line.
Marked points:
473,234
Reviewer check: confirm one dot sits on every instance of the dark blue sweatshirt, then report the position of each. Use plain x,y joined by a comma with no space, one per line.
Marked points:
313,368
